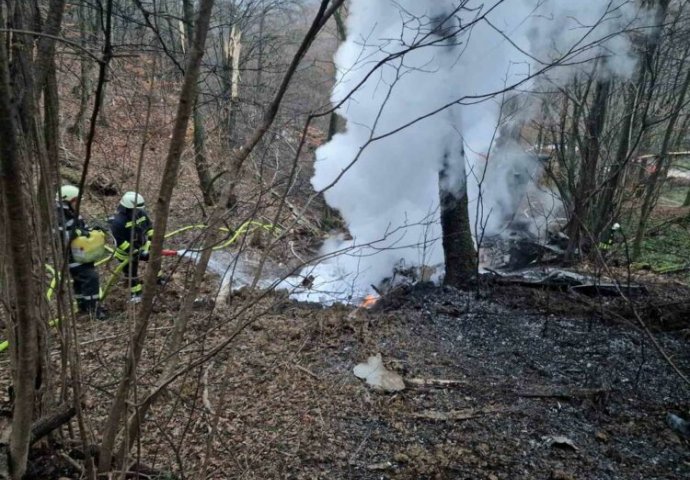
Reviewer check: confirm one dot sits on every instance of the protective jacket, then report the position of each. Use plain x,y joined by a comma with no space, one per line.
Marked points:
132,232
70,227
85,279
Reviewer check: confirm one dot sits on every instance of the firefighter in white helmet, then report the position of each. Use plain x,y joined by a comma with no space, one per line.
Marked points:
133,230
85,247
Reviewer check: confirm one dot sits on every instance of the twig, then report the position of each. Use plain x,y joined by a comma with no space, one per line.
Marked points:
564,394
457,415
72,462
354,455
291,244
307,371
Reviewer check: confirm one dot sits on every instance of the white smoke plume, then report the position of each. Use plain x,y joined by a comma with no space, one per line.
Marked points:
414,82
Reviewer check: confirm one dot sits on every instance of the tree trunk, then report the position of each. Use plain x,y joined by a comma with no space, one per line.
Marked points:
259,88
203,169
607,205
458,246
233,49
24,338
51,129
580,223
85,68
162,210
335,121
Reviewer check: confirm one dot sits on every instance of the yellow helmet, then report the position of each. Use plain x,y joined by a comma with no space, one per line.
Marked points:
68,193
132,199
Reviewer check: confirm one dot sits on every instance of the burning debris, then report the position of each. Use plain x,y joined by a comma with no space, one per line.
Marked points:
369,301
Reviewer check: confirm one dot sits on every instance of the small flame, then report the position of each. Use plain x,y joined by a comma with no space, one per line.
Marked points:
369,301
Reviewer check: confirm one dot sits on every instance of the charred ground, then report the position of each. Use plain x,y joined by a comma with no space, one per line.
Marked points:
520,378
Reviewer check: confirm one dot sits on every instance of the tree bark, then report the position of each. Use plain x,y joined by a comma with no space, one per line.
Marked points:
231,80
51,129
162,210
458,246
85,68
335,121
203,169
594,125
24,345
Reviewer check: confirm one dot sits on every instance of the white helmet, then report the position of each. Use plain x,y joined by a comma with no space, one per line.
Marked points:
68,193
132,199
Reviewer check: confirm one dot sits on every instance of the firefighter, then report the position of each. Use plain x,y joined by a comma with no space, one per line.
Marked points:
85,247
133,230
608,244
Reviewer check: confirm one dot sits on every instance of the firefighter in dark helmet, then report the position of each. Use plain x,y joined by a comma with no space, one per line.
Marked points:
133,230
85,247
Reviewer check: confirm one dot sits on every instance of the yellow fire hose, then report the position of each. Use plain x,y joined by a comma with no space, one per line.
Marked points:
49,296
246,227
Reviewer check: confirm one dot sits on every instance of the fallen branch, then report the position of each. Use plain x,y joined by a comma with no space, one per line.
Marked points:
646,330
434,382
457,415
44,425
547,392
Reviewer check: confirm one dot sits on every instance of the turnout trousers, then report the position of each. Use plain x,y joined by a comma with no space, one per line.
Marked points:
86,286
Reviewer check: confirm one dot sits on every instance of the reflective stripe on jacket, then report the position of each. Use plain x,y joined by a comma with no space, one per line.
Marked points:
131,232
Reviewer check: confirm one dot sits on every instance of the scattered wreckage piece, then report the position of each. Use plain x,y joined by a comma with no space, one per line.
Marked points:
678,424
379,377
565,280
559,441
519,247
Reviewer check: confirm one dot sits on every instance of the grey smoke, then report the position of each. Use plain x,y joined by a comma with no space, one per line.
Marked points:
436,98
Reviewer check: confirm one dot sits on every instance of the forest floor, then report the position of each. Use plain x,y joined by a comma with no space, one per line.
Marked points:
543,385
535,393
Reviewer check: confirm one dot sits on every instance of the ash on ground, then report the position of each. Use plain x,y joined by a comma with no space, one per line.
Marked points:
531,395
